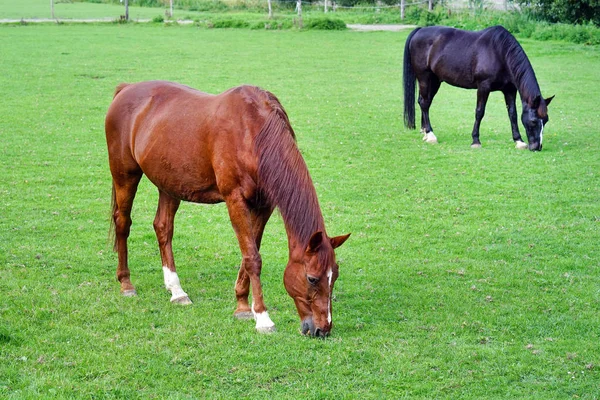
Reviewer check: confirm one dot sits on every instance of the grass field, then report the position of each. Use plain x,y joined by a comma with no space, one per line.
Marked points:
469,274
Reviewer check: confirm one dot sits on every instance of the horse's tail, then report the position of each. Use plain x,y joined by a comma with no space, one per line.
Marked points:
409,85
120,87
112,237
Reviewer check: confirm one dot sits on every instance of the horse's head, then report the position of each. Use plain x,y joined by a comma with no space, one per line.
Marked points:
534,117
309,278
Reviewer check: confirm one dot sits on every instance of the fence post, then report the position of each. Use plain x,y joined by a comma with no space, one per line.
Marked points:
299,7
325,6
126,10
171,8
402,6
270,9
430,5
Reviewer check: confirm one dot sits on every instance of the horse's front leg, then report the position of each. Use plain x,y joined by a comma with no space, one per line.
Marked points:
482,96
241,220
163,226
511,107
259,219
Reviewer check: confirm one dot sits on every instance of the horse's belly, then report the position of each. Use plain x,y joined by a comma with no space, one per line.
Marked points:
193,189
182,177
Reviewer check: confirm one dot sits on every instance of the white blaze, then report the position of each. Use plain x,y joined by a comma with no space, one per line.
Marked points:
329,276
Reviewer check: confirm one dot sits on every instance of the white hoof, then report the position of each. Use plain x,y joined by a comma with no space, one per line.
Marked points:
520,145
129,293
476,145
182,300
263,322
430,138
267,329
178,296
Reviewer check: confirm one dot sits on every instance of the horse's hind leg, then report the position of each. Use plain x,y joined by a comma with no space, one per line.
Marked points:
482,97
259,220
428,87
163,226
124,189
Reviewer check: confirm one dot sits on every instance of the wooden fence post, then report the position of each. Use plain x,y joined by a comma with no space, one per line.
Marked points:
402,7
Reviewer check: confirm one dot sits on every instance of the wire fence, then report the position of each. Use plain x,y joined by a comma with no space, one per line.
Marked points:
185,9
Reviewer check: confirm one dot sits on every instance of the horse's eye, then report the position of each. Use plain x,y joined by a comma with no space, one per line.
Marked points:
313,280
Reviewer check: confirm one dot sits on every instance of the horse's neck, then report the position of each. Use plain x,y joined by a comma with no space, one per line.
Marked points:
302,222
524,77
529,91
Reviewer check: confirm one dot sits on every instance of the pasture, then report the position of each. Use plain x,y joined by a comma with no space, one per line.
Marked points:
470,273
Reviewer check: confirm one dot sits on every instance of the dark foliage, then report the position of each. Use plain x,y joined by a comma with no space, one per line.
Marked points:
566,11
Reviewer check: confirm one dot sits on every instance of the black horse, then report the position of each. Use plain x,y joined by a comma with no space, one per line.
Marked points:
488,60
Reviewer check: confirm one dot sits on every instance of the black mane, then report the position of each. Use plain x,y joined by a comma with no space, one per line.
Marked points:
517,61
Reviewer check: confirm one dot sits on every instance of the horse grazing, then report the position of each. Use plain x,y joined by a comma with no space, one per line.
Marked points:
237,147
488,60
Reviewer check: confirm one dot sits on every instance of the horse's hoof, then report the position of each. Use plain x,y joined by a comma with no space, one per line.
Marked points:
266,329
430,138
244,315
476,146
520,145
184,301
129,293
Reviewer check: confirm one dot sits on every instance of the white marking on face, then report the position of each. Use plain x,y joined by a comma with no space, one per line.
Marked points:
329,276
541,132
172,284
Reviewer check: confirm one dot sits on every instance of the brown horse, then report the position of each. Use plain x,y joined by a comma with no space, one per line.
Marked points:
237,147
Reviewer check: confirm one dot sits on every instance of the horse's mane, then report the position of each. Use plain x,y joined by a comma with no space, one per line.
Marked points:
517,61
283,176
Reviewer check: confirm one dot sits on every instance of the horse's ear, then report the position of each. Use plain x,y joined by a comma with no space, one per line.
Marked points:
548,100
536,102
316,240
338,240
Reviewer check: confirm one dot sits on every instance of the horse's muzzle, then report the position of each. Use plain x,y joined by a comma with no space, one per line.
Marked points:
535,146
308,327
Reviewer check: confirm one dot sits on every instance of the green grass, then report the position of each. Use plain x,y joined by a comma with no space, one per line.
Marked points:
469,274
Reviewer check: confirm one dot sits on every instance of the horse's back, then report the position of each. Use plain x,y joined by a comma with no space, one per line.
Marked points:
455,56
192,145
